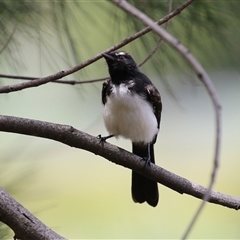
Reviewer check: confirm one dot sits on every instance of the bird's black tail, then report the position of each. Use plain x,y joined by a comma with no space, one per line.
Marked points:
144,189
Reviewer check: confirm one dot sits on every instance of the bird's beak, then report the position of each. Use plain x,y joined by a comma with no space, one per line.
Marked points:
108,56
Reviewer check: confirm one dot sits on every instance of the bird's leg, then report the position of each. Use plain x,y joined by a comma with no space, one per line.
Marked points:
103,139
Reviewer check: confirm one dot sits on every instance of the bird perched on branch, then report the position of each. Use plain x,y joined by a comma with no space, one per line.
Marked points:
132,109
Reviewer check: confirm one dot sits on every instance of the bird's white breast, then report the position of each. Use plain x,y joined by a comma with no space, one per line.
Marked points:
129,115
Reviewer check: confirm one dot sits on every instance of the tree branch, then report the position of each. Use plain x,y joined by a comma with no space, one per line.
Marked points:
22,222
54,77
160,41
70,82
75,138
202,75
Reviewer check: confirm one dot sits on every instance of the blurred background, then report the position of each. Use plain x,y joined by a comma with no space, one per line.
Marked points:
81,195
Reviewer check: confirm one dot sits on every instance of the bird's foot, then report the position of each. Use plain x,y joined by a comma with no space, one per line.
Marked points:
147,161
103,139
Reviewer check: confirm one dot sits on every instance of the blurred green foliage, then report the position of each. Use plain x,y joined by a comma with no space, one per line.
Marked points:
210,30
84,28
4,231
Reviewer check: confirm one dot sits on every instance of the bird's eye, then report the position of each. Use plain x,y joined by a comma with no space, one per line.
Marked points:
121,57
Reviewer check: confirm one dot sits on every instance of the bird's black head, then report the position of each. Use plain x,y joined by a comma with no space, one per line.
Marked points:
120,64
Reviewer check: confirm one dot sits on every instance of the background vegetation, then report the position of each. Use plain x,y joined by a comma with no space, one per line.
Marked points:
80,195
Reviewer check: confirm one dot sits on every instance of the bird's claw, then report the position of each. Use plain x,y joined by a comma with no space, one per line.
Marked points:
101,139
147,161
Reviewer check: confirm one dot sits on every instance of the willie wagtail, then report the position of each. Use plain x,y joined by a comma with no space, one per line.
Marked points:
132,109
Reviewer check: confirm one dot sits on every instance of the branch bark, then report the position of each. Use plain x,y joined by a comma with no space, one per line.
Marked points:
22,222
75,138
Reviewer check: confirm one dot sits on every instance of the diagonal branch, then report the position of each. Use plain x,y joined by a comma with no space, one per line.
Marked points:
54,77
21,221
75,138
204,78
40,81
160,41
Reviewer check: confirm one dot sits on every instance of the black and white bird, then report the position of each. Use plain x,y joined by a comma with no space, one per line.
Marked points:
132,109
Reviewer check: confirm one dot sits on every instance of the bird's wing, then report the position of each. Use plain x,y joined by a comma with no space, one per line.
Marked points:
106,89
147,89
154,99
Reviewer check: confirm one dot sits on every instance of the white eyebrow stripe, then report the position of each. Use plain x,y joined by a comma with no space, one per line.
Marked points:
120,53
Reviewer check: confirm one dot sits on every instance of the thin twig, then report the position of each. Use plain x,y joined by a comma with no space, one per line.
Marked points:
202,75
150,55
71,82
54,77
18,77
40,81
160,40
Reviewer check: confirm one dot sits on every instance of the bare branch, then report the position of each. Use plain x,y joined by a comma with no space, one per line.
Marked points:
74,138
83,82
54,77
17,77
21,221
70,82
150,55
202,75
40,81
159,43
35,83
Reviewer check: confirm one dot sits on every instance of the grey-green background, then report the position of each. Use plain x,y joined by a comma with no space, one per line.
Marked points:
81,195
